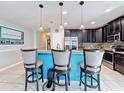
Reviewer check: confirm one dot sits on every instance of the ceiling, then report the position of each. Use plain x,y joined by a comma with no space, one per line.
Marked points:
27,13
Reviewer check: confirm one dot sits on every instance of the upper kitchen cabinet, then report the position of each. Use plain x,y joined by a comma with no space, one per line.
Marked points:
117,26
122,29
67,33
108,29
79,35
114,27
89,35
99,34
84,36
93,35
104,36
74,33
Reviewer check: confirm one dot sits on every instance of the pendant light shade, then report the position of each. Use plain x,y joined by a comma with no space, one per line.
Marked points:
41,25
61,25
81,25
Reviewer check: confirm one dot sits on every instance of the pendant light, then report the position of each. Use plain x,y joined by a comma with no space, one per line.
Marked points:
81,25
41,25
61,25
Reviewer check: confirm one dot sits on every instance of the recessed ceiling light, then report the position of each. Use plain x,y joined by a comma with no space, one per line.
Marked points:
93,22
64,12
108,10
65,23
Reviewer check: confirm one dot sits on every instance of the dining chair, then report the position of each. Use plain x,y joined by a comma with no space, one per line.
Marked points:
91,68
61,61
32,67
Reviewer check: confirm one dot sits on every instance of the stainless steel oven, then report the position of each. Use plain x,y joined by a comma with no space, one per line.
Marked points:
108,59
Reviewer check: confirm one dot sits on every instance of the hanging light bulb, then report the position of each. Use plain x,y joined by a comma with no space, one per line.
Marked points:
81,26
41,27
61,25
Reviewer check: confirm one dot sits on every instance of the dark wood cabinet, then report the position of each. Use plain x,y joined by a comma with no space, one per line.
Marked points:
122,29
79,35
91,35
74,33
99,34
117,26
104,36
119,62
84,36
108,29
94,36
67,33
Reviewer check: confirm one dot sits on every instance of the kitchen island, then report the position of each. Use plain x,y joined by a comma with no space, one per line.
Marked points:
76,58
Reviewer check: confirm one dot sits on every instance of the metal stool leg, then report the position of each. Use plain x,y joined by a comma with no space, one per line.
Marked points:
26,79
42,73
85,85
66,82
68,78
58,78
91,80
54,81
80,76
37,80
98,76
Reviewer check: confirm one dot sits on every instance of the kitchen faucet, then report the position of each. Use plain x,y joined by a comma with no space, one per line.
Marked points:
58,46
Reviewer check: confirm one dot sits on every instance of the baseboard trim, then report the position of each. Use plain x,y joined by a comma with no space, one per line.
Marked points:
10,66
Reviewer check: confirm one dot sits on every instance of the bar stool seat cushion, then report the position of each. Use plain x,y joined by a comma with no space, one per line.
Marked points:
61,68
39,63
89,69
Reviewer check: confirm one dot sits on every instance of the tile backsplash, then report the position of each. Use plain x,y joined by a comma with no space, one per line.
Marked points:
102,45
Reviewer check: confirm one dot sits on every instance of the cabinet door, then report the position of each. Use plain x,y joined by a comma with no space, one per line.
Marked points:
73,33
67,33
108,29
93,35
99,35
122,31
79,35
84,36
104,34
111,30
117,26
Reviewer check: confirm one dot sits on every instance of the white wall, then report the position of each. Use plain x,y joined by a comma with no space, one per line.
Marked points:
10,54
57,38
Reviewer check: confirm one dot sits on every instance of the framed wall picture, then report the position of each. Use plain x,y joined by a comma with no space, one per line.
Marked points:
10,36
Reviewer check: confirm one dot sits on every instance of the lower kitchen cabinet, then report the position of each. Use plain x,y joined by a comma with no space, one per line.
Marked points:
119,62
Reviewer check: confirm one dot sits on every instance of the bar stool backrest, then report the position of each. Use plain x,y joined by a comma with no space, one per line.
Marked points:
93,58
29,56
61,58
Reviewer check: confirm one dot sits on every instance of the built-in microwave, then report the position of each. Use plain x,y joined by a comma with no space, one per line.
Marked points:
115,37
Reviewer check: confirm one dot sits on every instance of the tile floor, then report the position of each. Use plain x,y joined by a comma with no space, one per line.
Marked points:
13,80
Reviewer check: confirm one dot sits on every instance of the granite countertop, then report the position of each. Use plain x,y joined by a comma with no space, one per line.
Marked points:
80,51
73,51
109,49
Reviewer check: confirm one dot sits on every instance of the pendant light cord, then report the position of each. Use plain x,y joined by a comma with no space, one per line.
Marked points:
61,15
60,4
41,16
81,14
41,7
